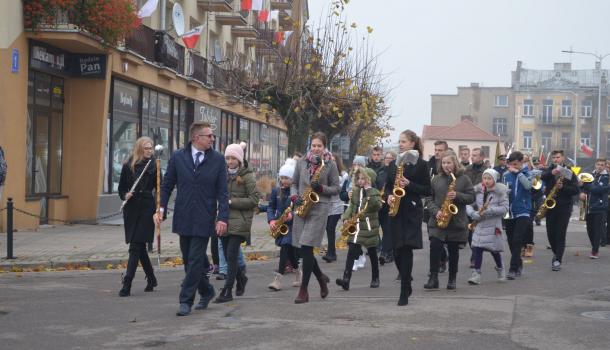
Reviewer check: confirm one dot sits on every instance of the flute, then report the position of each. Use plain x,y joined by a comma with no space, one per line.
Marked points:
133,187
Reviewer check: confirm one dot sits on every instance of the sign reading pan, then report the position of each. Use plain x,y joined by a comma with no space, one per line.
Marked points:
54,60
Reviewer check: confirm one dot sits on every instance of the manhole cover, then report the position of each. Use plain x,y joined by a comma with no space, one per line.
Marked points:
597,315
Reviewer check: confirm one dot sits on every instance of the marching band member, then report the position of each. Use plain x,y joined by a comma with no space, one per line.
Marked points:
316,174
558,218
595,195
406,224
365,204
453,187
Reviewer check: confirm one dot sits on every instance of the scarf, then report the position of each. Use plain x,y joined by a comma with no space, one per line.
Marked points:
311,161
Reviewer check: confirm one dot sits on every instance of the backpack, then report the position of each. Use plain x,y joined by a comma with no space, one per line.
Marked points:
3,167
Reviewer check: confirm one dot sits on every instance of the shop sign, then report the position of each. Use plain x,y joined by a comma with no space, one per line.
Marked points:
53,60
207,113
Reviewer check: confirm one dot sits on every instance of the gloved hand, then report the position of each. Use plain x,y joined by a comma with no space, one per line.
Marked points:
298,202
317,187
475,216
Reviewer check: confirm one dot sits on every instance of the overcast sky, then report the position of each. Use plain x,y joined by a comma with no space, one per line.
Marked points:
433,46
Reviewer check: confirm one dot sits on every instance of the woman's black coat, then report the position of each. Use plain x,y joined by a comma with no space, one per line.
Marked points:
139,210
406,226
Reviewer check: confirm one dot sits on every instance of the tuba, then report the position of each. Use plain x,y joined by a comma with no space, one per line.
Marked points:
310,197
584,178
448,209
281,228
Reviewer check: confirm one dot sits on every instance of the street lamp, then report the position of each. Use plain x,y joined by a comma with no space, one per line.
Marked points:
600,58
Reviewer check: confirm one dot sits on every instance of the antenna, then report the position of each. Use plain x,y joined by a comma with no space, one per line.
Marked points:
178,19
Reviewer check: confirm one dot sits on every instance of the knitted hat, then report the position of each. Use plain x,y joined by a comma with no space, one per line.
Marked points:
368,173
287,169
235,150
359,160
494,174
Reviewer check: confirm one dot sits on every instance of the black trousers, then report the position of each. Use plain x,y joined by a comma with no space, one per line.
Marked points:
214,248
310,264
528,238
436,250
138,253
193,250
354,252
230,247
606,235
557,221
516,230
404,256
331,229
596,223
287,255
386,245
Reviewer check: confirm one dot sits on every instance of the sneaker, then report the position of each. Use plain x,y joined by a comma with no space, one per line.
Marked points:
518,272
475,278
556,266
361,261
501,274
594,255
355,268
512,275
221,277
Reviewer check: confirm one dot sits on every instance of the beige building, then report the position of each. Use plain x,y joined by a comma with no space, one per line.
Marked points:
491,108
464,134
71,109
557,109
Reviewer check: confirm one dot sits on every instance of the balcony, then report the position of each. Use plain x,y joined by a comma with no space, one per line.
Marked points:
142,41
286,21
231,19
199,68
168,52
244,32
214,5
255,42
556,121
281,5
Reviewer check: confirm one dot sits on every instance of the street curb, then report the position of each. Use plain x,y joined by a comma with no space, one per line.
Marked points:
98,264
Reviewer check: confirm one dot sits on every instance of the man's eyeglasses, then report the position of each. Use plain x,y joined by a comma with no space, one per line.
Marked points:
208,135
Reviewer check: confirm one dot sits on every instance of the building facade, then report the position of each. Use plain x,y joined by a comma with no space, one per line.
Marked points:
491,108
71,109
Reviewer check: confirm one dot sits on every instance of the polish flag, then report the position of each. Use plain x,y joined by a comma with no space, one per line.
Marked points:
190,38
257,5
278,37
263,16
541,159
246,5
586,150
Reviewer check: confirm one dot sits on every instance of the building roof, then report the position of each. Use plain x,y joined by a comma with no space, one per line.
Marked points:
465,130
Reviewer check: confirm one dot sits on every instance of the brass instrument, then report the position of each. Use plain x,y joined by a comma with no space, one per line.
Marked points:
549,202
350,227
448,209
537,183
473,225
281,228
398,192
585,177
310,197
584,204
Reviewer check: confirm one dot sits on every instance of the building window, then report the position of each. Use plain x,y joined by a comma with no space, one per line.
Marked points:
565,141
585,138
528,108
586,109
566,108
546,138
501,101
527,140
608,145
499,126
547,112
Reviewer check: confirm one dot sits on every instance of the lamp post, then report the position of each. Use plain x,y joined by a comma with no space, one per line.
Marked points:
600,58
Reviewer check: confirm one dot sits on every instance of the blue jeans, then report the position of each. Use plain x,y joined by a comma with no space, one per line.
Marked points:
195,262
223,267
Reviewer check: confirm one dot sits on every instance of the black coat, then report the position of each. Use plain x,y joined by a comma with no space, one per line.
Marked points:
139,210
406,225
380,171
565,195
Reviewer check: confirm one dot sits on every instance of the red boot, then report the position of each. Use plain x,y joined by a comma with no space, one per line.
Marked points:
302,297
323,280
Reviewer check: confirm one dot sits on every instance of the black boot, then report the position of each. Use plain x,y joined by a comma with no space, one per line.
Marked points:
344,282
405,293
375,282
126,290
451,284
432,281
241,280
151,282
225,296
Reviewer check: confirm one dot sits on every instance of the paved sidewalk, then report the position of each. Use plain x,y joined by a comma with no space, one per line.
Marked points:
96,246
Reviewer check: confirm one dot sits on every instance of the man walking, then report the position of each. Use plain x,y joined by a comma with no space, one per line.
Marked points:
200,175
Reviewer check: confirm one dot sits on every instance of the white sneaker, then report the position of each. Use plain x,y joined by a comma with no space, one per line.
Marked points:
501,274
475,277
356,264
361,261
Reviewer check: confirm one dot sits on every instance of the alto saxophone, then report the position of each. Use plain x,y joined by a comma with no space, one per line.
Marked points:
448,209
310,197
398,192
549,202
350,227
281,228
472,225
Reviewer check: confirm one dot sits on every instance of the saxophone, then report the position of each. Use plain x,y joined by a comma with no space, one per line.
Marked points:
310,197
350,227
281,228
549,202
398,192
472,225
448,209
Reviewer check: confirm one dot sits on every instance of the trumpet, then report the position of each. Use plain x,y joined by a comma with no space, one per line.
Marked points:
536,183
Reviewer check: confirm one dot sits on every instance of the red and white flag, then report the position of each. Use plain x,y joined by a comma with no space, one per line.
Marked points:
278,37
246,5
148,8
586,150
542,160
190,38
257,5
263,16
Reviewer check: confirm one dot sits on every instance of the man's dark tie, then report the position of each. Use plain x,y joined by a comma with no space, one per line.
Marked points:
197,161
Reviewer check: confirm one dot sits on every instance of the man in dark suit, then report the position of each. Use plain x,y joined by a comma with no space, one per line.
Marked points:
201,209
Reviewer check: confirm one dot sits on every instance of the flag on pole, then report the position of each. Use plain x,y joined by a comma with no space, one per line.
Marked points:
586,150
278,37
287,35
263,16
148,8
497,152
542,159
274,16
190,38
246,5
